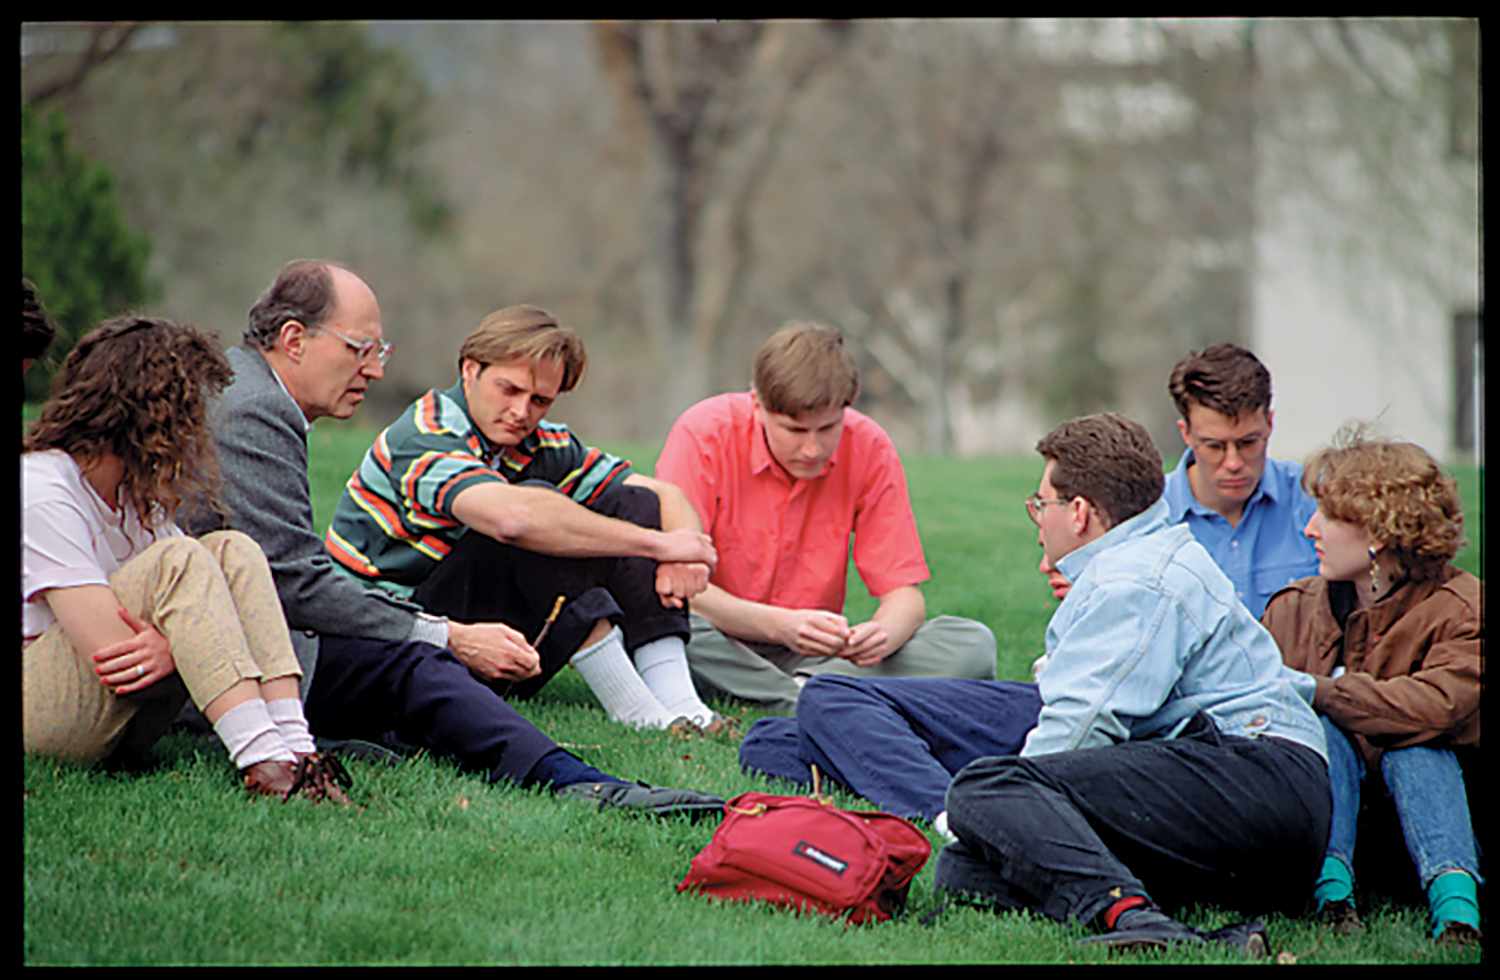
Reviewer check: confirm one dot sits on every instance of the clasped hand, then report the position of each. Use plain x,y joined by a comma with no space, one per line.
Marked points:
819,633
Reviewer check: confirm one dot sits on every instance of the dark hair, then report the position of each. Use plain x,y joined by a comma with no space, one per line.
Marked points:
1107,459
805,367
37,329
529,332
139,388
302,291
1393,491
1225,378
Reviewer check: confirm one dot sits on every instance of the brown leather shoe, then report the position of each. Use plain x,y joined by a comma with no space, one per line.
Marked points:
1342,919
1459,935
272,777
723,726
321,777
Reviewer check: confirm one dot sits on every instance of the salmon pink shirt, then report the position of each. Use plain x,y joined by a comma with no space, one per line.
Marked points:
782,541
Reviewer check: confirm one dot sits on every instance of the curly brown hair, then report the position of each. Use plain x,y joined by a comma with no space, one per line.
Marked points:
139,388
1395,492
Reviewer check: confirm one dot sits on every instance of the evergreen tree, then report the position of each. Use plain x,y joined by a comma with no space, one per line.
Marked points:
87,265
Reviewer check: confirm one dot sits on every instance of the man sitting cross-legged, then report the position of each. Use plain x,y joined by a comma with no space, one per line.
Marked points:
783,476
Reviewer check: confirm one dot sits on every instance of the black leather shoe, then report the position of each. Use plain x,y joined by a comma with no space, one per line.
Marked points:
1160,933
657,801
1249,938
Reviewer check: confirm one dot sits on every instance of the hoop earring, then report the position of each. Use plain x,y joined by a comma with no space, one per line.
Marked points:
1374,574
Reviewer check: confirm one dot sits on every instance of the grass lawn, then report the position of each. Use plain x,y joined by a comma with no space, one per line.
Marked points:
175,866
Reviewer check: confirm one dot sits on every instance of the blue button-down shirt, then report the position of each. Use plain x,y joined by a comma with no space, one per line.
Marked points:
1266,549
1150,634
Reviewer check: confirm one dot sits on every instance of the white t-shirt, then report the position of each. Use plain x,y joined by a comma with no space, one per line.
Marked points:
69,536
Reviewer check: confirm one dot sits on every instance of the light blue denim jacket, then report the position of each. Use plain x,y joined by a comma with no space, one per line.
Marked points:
1151,633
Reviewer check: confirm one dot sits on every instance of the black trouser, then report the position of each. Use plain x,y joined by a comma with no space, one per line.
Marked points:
365,688
1203,817
484,581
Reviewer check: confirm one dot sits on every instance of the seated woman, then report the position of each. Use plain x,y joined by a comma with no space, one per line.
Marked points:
123,617
1394,634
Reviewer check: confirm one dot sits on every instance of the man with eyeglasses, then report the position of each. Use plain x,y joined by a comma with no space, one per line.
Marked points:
1247,509
375,664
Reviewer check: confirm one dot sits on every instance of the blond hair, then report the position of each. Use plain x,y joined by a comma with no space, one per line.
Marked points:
526,332
805,367
1395,492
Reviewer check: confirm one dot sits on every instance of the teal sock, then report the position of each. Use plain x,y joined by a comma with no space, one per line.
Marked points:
1453,896
1335,882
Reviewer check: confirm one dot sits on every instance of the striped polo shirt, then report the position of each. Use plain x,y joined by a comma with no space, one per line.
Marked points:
395,521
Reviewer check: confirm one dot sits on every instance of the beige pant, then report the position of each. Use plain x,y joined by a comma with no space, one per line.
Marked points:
771,676
214,601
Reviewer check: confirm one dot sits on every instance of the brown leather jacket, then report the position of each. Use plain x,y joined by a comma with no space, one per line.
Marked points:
1413,661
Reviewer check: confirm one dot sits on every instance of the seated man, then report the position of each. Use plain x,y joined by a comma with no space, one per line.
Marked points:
1175,757
1247,509
475,508
373,663
782,476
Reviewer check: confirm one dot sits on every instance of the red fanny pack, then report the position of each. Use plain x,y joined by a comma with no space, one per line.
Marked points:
799,852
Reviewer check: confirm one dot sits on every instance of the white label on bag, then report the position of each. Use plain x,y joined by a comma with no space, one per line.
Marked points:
804,849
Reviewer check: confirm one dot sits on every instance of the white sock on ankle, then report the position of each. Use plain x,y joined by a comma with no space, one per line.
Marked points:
250,735
291,723
663,665
607,670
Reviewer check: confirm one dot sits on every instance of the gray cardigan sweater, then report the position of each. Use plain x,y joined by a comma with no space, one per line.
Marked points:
261,436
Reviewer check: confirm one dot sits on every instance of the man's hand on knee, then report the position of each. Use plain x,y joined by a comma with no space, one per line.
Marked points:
677,582
493,651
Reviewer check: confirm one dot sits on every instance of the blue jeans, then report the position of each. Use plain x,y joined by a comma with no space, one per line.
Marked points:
1427,787
896,741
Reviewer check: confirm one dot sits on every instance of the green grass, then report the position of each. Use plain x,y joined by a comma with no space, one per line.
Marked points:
175,866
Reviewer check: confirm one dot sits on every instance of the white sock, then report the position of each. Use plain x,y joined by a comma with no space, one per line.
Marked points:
663,665
250,735
607,670
291,723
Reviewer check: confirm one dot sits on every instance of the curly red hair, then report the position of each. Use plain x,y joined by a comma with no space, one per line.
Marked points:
1395,492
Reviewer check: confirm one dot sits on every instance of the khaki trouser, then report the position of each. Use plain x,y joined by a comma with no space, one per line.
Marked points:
214,601
772,676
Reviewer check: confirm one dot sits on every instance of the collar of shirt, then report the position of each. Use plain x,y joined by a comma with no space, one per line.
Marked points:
489,452
307,425
1151,519
1267,488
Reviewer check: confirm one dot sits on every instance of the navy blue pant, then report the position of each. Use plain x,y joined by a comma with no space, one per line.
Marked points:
896,741
427,697
484,581
1201,818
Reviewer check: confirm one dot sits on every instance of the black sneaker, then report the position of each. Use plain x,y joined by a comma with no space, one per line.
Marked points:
656,801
